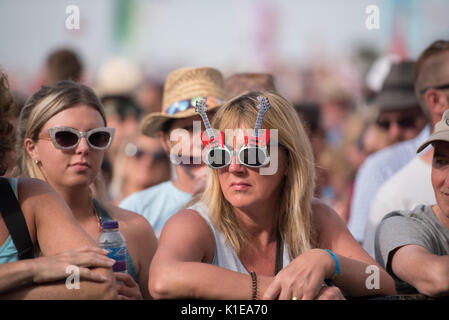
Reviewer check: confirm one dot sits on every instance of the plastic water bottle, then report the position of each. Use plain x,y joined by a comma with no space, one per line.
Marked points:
114,242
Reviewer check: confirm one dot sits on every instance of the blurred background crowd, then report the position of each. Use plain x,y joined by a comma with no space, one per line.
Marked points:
323,57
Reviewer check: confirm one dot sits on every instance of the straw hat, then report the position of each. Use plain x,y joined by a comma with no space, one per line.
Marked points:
181,90
240,83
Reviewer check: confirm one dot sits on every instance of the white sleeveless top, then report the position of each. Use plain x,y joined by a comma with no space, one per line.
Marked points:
224,255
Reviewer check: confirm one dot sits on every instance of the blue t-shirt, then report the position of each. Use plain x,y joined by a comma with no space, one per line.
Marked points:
8,251
157,204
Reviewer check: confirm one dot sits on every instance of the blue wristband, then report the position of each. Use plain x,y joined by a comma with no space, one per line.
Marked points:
337,264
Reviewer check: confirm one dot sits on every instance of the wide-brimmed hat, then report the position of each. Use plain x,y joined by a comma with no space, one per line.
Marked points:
240,83
182,89
398,91
441,132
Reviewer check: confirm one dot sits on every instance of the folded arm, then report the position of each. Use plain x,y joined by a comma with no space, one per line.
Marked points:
357,266
62,242
182,265
429,274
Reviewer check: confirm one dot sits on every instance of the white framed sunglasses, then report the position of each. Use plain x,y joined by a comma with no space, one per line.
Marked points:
66,138
252,154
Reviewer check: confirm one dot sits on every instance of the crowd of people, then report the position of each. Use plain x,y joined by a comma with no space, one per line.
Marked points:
217,182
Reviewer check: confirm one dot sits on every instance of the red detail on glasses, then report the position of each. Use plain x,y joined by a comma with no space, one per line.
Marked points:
260,141
214,141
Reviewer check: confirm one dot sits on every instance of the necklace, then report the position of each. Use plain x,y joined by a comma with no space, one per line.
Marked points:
97,216
278,264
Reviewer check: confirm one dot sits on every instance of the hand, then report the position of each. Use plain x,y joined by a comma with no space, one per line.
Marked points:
330,293
200,180
128,289
302,278
53,268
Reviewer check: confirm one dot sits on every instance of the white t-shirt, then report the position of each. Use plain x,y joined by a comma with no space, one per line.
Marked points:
407,188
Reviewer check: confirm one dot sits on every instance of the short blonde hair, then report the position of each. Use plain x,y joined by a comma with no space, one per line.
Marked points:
294,222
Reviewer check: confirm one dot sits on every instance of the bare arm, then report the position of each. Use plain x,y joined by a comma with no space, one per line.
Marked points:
15,274
429,274
148,245
181,267
58,290
303,277
53,268
354,261
49,216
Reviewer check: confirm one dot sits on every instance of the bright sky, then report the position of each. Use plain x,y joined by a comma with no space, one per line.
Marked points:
227,34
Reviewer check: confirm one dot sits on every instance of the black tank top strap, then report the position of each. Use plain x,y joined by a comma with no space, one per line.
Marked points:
103,215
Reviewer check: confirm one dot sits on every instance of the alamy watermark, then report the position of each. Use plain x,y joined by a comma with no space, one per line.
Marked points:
73,280
373,280
72,21
372,21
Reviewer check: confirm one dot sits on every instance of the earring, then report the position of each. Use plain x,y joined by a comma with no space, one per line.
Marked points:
37,162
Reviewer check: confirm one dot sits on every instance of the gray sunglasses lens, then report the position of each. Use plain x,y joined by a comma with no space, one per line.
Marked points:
66,139
217,158
253,157
100,139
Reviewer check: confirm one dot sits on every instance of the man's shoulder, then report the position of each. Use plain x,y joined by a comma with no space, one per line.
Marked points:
147,194
420,212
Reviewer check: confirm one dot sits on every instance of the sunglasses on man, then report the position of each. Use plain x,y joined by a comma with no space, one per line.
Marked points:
439,87
407,122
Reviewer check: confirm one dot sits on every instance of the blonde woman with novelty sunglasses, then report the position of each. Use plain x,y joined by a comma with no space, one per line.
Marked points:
62,137
254,235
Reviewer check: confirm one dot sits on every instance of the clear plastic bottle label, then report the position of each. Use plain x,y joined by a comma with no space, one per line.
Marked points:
119,255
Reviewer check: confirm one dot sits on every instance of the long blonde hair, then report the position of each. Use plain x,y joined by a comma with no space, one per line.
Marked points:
294,223
41,107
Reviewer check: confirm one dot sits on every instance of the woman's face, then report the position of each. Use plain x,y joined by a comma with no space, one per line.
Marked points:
75,167
244,187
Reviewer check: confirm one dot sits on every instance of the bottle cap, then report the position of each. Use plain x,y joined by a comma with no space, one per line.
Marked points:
112,224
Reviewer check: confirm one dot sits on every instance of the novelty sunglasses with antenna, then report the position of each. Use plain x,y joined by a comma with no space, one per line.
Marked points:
252,154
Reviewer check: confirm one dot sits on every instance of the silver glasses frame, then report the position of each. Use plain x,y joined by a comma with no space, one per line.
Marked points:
240,156
54,130
214,144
